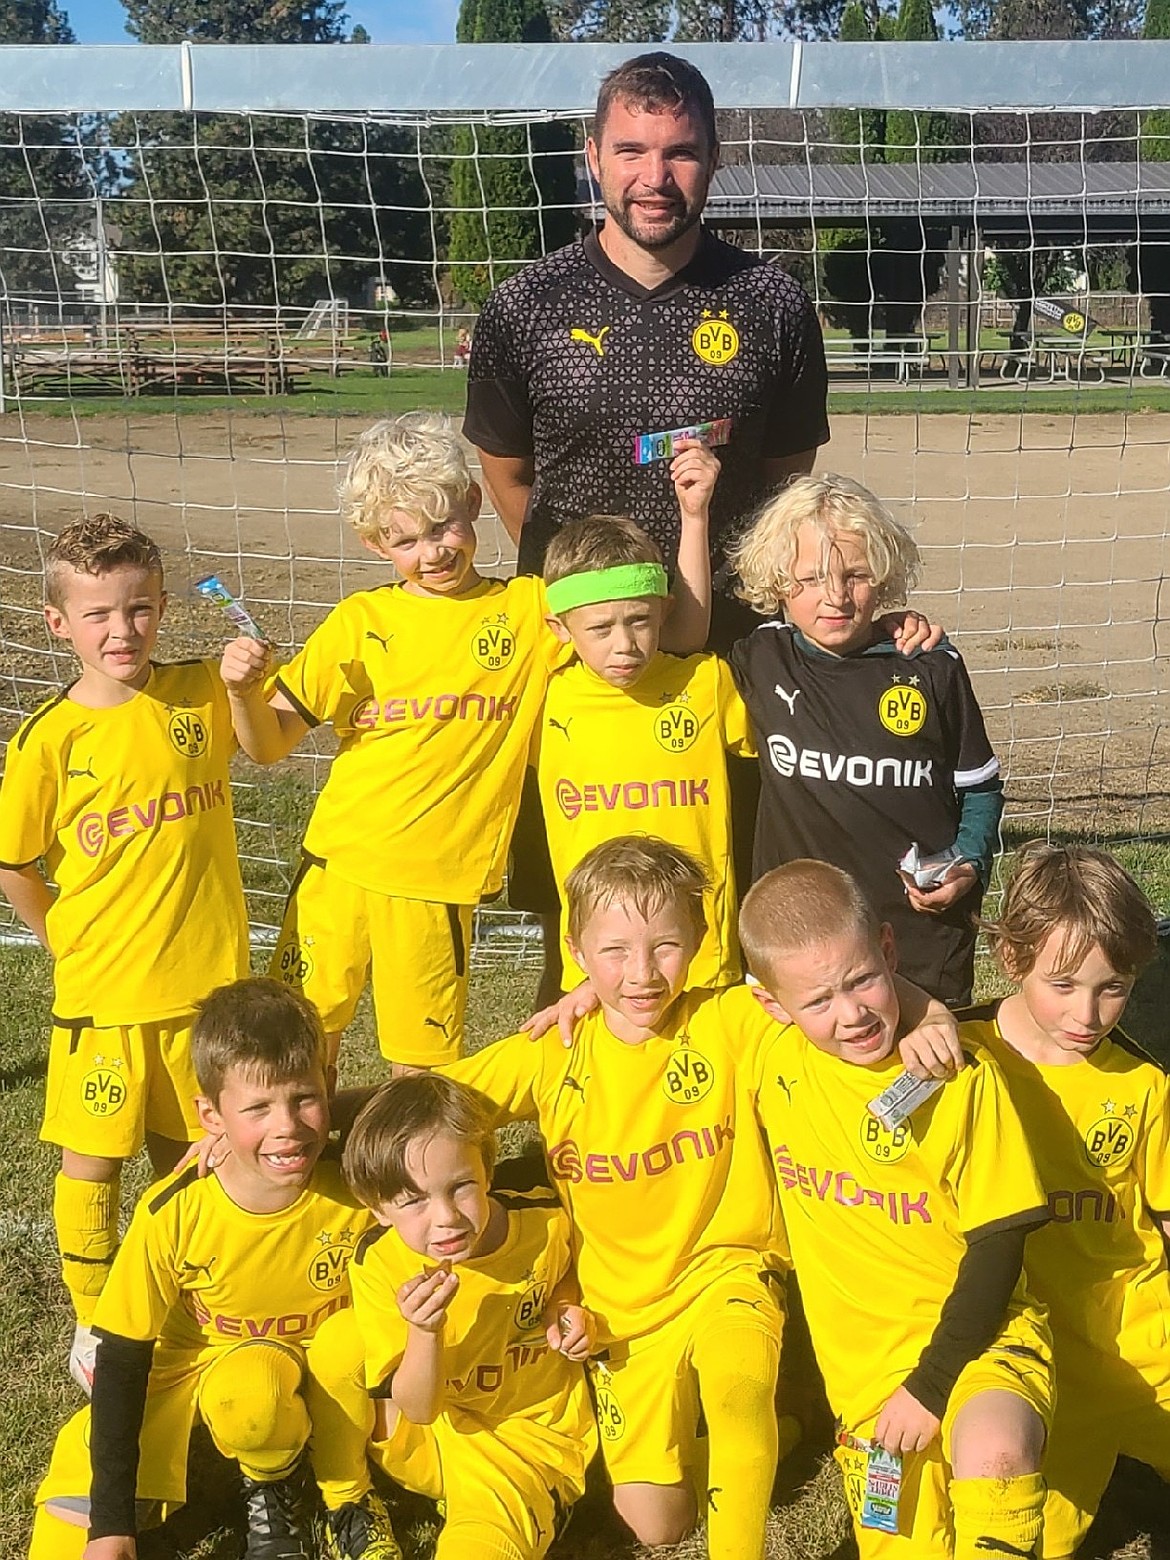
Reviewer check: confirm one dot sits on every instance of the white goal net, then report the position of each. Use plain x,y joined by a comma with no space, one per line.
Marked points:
200,310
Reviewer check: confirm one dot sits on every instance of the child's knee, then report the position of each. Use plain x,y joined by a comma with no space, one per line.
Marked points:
656,1513
997,1435
251,1403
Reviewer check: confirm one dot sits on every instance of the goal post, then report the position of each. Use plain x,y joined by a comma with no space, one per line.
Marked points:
221,263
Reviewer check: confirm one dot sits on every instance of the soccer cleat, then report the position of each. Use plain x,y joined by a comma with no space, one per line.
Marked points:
275,1530
83,1357
360,1530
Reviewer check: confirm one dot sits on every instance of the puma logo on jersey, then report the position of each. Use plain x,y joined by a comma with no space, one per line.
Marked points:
200,1267
561,726
76,774
577,334
754,1305
571,1083
783,1083
711,1494
385,643
434,1023
789,698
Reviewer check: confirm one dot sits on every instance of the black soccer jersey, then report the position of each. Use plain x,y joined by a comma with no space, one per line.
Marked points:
572,360
861,756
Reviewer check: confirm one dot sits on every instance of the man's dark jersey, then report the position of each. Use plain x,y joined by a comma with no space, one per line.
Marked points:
861,756
572,359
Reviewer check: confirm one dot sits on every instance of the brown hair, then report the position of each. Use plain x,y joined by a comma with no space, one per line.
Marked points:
657,83
259,1026
637,870
1082,892
796,906
419,1105
765,555
97,545
597,542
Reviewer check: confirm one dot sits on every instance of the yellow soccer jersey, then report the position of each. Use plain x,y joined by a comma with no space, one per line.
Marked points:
648,760
433,703
131,810
878,1221
1100,1133
196,1271
654,1150
497,1360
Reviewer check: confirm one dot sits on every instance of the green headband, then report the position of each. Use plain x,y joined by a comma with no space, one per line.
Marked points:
623,582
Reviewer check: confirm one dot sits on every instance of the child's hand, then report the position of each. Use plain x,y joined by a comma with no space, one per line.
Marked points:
110,1549
911,631
564,1014
933,1049
423,1301
571,1330
210,1151
244,665
960,880
904,1425
694,472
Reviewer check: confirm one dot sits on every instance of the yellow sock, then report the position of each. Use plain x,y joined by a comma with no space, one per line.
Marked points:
86,1216
997,1517
53,1539
341,1411
251,1403
737,1385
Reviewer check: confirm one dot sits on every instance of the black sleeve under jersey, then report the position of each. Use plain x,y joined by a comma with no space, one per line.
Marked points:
120,1378
972,1314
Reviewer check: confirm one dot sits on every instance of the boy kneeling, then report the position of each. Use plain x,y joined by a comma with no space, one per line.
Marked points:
459,1375
908,1243
217,1287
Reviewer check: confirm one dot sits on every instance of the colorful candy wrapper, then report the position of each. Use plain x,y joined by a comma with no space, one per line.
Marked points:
883,1487
901,1099
649,447
212,589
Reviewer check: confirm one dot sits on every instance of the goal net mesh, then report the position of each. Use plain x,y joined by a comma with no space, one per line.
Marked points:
200,313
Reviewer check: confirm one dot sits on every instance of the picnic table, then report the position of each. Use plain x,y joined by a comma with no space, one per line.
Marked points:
902,353
136,370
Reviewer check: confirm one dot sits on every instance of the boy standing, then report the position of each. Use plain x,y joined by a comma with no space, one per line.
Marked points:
863,754
1074,933
459,1375
218,1286
119,785
433,687
630,737
908,1244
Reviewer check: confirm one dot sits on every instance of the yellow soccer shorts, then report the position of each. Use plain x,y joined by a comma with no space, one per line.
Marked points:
172,1409
414,952
515,1478
107,1088
1019,1362
1106,1407
647,1392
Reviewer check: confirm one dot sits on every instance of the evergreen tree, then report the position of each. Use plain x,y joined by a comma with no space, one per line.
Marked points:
1149,262
911,135
513,190
611,21
266,209
45,192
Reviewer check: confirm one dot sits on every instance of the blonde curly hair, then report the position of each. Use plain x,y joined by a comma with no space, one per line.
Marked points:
765,556
416,463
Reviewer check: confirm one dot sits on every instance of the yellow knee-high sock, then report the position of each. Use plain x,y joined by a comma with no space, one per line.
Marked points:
470,1540
53,1539
340,1409
737,1385
86,1216
997,1517
252,1406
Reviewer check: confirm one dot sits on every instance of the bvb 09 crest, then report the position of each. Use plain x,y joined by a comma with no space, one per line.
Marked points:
902,710
675,727
715,341
493,645
188,733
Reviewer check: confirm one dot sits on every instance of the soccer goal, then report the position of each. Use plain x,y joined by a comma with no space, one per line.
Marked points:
220,264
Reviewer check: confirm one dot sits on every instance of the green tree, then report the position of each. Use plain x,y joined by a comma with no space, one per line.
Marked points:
1148,262
45,190
261,210
513,190
611,21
